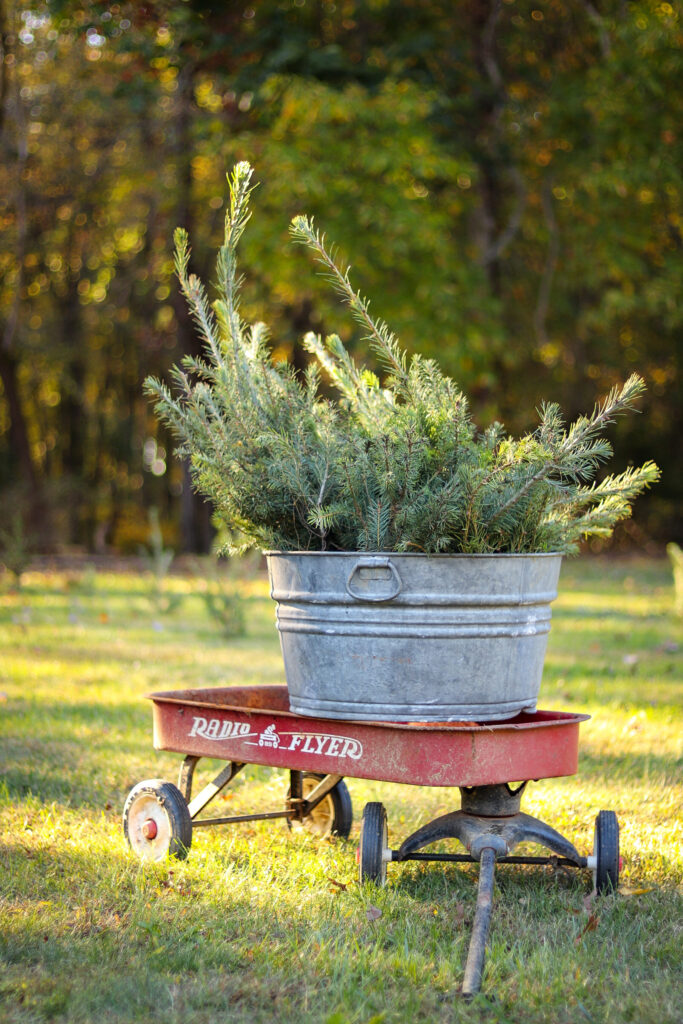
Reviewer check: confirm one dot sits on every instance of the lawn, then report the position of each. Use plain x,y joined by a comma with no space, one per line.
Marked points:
261,924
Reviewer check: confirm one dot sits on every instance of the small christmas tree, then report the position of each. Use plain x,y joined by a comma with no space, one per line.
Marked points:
391,465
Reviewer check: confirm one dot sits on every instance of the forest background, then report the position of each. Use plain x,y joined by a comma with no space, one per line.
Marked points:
504,176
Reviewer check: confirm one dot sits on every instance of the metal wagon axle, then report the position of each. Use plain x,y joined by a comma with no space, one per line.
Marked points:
489,825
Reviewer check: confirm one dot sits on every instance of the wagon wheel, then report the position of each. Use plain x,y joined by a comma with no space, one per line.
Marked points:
156,821
374,845
332,816
606,852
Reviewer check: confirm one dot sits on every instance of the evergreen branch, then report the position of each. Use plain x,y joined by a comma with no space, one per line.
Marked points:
624,486
322,486
618,400
193,290
382,339
360,388
576,440
235,222
515,498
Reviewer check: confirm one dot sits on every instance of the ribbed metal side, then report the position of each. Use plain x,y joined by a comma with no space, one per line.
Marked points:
413,637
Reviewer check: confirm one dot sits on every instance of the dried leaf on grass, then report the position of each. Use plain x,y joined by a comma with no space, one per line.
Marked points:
337,886
590,926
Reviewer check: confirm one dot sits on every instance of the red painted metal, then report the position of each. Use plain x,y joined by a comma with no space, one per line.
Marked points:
253,725
149,829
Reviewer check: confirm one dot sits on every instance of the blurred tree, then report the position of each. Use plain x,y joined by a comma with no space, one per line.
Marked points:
504,176
14,140
553,180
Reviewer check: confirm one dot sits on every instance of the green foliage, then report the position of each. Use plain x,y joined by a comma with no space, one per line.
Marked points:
157,560
224,601
511,180
396,465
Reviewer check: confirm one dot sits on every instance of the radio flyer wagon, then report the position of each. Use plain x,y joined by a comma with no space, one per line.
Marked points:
254,725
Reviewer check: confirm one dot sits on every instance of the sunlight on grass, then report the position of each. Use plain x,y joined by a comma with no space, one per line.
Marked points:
262,924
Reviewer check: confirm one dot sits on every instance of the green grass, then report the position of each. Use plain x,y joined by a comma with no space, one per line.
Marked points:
260,925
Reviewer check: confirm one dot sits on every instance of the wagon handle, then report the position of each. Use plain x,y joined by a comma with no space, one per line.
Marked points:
373,562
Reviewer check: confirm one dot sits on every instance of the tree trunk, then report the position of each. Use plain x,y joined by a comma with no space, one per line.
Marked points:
502,190
21,459
72,417
20,447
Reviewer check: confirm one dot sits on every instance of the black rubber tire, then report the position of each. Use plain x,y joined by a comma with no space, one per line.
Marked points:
606,850
163,804
334,814
374,839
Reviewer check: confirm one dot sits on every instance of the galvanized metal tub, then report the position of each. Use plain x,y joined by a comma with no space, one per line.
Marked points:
413,637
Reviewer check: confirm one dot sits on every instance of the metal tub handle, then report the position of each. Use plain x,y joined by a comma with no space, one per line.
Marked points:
366,593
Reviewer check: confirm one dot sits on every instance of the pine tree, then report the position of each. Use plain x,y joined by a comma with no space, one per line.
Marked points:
393,465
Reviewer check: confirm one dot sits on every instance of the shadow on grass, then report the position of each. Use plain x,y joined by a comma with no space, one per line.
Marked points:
36,718
94,790
194,954
180,953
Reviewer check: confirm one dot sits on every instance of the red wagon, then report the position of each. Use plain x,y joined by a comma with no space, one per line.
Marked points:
253,725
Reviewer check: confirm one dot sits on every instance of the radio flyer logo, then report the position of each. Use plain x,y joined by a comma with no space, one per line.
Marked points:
319,744
269,738
215,729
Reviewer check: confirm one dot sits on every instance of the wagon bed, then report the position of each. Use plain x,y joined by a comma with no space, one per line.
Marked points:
253,725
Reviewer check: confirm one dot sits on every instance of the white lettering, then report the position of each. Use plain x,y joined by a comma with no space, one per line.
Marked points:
318,744
326,745
215,729
352,748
